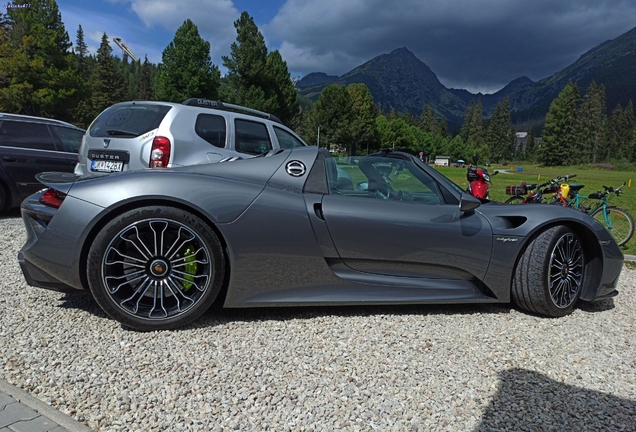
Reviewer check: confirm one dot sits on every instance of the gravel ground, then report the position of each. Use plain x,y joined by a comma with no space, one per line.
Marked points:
351,368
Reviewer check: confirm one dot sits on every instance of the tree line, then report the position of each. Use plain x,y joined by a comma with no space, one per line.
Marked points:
577,129
43,74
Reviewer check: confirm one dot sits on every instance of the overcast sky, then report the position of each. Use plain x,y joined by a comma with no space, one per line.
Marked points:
479,45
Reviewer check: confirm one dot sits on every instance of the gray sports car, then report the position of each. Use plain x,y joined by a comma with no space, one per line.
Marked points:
297,227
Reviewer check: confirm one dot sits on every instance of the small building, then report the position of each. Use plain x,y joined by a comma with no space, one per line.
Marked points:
442,160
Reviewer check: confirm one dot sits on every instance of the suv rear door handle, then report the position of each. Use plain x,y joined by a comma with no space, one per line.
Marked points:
9,159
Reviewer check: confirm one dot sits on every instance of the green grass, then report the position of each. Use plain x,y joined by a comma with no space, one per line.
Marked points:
593,179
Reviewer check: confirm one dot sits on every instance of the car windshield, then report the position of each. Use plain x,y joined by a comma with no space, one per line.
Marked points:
128,120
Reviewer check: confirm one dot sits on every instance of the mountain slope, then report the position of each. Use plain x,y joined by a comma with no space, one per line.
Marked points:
401,81
612,63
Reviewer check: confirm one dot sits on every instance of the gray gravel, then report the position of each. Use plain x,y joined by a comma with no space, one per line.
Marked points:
351,368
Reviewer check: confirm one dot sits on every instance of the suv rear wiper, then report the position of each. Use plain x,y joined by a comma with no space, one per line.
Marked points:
120,133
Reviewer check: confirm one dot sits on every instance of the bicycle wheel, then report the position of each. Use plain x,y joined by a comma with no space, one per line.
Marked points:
621,223
516,199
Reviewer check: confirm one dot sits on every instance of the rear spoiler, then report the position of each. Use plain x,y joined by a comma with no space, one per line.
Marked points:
60,181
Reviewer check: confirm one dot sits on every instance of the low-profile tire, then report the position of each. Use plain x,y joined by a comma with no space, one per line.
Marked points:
155,268
549,276
516,199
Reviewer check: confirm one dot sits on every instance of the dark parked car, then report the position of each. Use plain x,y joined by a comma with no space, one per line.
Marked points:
157,247
31,145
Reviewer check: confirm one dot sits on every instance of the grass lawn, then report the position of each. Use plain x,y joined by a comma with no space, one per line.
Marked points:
593,179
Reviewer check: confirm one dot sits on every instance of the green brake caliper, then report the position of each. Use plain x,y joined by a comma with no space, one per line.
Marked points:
190,267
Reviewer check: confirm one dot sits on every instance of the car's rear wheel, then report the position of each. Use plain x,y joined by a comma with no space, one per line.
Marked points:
155,268
548,278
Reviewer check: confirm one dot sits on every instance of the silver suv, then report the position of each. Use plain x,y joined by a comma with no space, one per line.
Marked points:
148,134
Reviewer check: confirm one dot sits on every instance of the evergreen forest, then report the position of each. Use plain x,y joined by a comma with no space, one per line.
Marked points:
44,74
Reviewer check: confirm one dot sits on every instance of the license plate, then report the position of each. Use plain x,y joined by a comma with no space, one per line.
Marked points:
107,166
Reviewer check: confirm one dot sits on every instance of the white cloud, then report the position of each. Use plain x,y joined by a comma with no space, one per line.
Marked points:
214,18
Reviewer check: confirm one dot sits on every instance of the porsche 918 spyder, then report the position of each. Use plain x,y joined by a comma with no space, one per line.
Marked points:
298,227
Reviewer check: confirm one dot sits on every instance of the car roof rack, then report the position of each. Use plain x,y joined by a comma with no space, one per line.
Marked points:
207,103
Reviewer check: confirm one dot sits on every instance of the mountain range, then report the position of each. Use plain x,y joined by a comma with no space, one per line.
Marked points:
401,81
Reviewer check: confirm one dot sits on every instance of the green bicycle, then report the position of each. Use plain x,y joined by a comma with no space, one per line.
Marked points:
616,220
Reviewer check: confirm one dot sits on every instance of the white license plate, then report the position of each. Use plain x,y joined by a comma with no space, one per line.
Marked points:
106,166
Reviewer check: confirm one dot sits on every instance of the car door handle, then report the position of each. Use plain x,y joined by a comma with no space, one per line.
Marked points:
9,159
318,211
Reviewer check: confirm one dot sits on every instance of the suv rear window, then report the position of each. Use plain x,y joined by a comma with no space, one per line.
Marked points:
130,120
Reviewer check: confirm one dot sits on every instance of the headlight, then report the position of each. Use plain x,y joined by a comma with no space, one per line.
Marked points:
486,177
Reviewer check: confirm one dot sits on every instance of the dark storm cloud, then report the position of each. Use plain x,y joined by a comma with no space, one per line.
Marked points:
474,44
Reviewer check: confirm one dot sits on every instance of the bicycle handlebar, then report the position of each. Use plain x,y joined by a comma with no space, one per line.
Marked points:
610,189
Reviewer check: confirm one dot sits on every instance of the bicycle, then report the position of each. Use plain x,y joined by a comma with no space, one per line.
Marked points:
550,187
616,220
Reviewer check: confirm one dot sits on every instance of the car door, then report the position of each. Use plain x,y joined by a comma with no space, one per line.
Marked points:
389,217
26,149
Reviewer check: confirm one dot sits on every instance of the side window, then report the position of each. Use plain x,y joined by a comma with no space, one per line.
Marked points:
382,178
251,137
211,128
71,138
287,140
26,135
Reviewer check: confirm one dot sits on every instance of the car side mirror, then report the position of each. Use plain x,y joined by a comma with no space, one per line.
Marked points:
468,203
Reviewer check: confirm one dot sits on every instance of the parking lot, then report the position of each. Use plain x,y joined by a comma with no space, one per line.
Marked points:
460,367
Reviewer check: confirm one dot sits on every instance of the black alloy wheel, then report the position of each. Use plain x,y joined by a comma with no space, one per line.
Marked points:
549,276
155,268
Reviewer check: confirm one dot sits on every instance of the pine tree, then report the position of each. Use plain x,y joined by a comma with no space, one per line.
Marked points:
442,128
146,90
186,69
104,80
591,120
465,129
81,52
473,133
363,127
84,112
626,129
280,86
613,133
500,137
247,78
559,132
428,120
39,76
334,114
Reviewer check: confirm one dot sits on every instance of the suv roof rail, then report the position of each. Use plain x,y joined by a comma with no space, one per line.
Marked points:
207,103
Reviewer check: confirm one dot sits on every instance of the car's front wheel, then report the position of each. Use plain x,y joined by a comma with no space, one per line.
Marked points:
548,278
155,268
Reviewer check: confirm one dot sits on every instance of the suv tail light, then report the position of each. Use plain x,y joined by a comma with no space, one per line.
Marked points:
160,152
52,198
